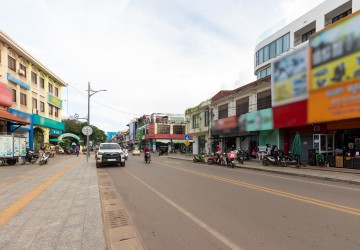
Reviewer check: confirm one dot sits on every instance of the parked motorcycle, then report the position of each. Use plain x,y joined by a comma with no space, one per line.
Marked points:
274,159
199,158
230,159
147,157
30,157
242,155
291,159
44,158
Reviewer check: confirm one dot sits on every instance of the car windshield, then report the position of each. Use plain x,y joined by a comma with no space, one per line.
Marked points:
109,146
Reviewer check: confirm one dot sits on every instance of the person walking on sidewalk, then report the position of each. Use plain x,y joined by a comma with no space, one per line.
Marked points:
77,150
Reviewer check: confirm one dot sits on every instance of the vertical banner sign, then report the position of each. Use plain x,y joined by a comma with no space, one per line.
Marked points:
334,81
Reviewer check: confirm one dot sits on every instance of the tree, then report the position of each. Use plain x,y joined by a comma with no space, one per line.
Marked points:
75,127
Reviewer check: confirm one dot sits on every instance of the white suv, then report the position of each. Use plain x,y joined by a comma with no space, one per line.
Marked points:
110,153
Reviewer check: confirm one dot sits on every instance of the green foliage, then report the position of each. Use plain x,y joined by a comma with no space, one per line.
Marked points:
75,127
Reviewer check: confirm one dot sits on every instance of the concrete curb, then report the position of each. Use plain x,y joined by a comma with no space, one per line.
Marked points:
308,175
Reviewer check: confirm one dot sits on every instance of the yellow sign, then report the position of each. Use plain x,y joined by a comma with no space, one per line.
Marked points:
334,78
187,143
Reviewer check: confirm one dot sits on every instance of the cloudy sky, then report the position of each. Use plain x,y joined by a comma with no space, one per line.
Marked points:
152,56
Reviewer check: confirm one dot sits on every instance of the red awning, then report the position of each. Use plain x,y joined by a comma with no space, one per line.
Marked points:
5,115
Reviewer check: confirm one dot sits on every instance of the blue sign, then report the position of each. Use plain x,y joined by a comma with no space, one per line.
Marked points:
55,132
187,137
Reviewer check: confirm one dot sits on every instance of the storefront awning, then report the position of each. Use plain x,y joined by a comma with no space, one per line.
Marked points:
5,115
181,141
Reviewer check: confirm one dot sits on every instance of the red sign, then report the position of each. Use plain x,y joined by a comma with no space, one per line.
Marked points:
290,115
227,123
5,95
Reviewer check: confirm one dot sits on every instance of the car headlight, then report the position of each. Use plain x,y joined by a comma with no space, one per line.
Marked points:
121,153
100,153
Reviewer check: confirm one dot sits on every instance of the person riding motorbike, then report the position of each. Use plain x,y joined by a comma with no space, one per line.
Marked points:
218,152
146,150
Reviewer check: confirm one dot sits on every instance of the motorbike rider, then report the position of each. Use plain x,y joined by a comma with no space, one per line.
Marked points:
218,152
146,150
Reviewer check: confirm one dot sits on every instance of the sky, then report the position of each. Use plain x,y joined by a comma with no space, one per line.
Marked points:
152,56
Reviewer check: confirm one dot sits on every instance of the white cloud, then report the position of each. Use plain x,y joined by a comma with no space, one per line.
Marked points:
151,56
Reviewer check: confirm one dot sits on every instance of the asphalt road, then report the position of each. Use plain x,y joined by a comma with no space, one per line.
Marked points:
175,204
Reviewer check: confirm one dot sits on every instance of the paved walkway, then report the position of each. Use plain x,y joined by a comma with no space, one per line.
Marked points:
53,206
334,174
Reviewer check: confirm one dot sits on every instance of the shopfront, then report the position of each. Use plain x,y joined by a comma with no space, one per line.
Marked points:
346,136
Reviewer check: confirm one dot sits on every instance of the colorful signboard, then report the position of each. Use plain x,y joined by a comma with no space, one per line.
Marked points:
48,123
289,75
5,95
334,81
256,121
53,100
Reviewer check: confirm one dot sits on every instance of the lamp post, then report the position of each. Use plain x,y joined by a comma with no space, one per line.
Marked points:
91,92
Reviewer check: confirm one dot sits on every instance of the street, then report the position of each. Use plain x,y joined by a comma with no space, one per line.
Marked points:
182,205
172,204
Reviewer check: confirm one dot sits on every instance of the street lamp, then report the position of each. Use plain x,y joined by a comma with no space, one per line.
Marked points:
91,92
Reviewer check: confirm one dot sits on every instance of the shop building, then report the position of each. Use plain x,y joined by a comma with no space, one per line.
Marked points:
198,126
36,93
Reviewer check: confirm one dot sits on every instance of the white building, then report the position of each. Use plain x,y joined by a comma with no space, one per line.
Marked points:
297,32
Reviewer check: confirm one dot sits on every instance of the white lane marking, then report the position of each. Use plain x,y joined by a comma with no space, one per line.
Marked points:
192,217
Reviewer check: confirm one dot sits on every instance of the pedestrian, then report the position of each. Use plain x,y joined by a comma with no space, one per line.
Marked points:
77,150
268,149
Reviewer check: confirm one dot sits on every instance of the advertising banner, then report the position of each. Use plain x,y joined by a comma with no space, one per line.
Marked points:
6,146
256,121
334,81
289,77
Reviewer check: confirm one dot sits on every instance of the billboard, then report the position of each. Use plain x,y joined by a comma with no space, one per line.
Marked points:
289,77
334,78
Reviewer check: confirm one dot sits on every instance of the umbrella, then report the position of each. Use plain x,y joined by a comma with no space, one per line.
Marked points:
296,146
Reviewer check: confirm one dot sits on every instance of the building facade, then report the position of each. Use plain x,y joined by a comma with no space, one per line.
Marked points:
36,93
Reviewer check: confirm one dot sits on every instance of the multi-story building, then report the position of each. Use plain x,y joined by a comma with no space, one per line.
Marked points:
312,81
161,129
198,126
274,42
36,93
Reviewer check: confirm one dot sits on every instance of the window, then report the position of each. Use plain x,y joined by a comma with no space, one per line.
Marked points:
264,100
23,99
342,15
34,103
286,42
56,91
223,111
50,88
14,95
196,121
306,36
206,118
42,82
51,109
242,106
23,69
163,129
42,106
11,63
56,112
272,49
179,129
279,46
33,77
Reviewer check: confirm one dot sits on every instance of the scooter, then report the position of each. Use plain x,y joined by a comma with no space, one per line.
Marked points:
213,159
230,159
199,158
126,154
147,157
44,158
30,157
273,160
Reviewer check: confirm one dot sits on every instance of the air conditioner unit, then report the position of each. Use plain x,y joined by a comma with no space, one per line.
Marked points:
21,72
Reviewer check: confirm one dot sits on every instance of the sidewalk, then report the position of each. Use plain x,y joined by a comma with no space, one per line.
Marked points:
52,206
351,176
